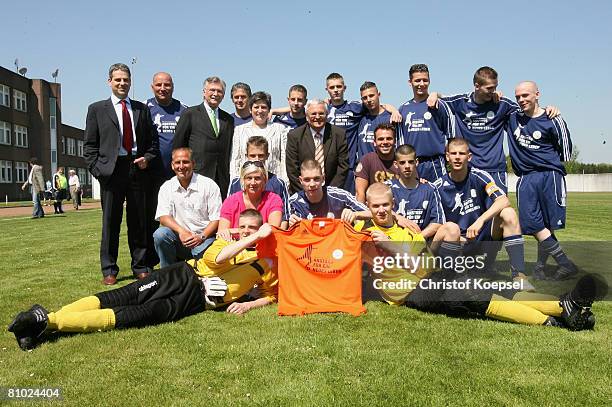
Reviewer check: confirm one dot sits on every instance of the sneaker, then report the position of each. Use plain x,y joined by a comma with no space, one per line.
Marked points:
538,271
577,304
565,272
552,321
525,284
576,317
18,328
29,326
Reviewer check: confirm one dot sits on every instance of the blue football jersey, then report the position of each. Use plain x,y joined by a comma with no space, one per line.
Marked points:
165,119
421,205
365,133
274,184
334,201
483,127
289,121
239,120
347,116
538,143
427,129
463,202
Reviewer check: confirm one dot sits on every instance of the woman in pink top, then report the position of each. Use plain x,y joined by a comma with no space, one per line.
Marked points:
253,178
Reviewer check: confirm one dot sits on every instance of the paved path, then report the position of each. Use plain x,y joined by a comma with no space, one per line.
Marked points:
20,211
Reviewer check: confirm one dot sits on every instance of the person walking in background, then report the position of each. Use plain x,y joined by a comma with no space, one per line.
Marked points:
61,185
75,189
35,178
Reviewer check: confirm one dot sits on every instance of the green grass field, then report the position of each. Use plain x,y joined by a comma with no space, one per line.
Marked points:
390,356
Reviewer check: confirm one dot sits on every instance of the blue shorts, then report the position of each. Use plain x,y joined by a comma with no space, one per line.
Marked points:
431,168
541,201
501,179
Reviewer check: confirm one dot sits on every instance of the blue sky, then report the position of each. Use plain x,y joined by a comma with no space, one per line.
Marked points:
566,47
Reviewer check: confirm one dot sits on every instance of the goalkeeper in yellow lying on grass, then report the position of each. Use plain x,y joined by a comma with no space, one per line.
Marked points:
414,281
226,273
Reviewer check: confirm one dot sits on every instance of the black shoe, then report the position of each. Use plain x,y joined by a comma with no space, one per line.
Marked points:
538,271
552,321
18,328
29,326
565,272
576,304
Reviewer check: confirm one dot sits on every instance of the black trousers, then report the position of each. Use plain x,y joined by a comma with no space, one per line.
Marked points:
167,294
127,184
457,302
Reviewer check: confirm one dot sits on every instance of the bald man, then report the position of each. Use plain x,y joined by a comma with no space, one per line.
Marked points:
165,112
538,145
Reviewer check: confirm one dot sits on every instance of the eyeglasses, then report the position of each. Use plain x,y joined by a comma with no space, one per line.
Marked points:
259,164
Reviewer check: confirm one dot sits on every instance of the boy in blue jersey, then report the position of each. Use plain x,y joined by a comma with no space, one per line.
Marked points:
481,117
318,201
297,115
370,97
241,93
425,128
538,145
257,150
465,193
413,200
347,115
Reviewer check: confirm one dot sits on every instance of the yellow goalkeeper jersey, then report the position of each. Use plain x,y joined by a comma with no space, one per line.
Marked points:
241,273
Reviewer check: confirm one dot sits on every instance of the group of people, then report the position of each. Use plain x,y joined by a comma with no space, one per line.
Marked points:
206,186
57,190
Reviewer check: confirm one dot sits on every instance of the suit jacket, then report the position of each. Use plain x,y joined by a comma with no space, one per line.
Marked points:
300,147
211,153
103,137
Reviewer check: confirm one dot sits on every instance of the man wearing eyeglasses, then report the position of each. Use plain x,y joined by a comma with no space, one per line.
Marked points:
208,131
320,141
187,210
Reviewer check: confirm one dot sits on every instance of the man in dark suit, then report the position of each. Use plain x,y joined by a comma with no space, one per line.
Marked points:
208,131
320,141
121,145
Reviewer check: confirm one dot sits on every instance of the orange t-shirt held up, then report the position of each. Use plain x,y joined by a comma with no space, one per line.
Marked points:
319,266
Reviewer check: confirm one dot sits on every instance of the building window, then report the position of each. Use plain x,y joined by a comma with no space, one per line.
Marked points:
5,133
20,100
82,173
63,145
6,171
80,148
21,136
21,170
5,96
71,150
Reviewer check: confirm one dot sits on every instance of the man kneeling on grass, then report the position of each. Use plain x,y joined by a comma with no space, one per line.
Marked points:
449,292
227,272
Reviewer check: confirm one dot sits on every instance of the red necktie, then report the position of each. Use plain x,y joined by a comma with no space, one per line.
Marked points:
127,128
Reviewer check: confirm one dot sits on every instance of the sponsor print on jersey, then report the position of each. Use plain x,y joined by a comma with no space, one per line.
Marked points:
476,122
526,140
367,135
165,126
322,265
465,205
413,214
417,124
340,119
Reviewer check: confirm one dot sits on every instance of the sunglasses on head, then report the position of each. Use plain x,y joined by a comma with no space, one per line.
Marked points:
255,163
